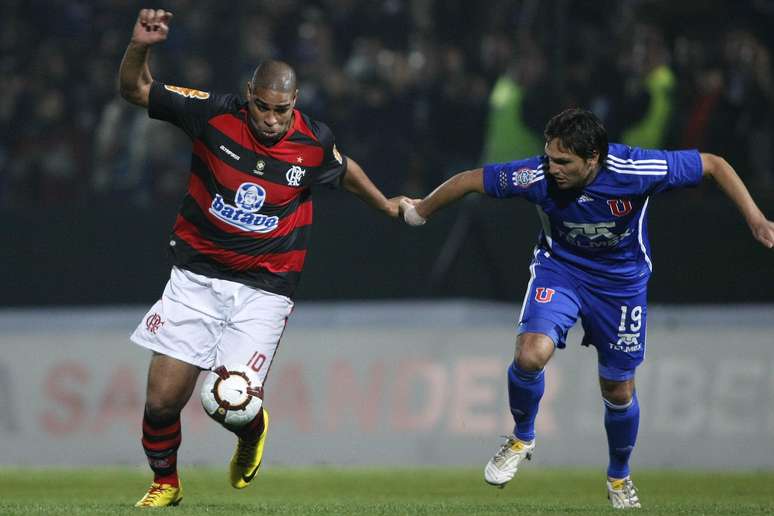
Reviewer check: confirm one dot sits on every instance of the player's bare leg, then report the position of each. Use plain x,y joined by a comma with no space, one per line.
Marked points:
525,389
622,415
170,385
533,351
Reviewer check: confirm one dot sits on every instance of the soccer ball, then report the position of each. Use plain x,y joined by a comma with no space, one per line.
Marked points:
232,395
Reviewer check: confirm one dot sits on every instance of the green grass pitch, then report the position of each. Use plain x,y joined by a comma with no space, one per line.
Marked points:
447,491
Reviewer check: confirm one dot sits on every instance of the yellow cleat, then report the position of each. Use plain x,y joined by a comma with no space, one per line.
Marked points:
247,457
161,495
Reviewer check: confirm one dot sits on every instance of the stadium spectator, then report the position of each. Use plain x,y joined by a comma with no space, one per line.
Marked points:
51,177
121,168
649,86
745,121
592,262
508,131
238,244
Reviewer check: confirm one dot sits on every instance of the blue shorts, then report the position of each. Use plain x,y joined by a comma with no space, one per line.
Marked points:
614,317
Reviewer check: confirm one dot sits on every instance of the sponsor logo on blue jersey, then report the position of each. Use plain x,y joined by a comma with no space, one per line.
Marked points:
596,235
248,201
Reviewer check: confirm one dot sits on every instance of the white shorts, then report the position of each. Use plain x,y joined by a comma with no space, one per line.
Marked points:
209,322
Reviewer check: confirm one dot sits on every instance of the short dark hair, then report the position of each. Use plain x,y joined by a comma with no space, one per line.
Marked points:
274,75
579,131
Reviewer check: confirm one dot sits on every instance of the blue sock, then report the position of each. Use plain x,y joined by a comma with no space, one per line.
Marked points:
621,424
525,388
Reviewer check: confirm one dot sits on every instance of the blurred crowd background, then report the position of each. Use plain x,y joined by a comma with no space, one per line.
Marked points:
414,90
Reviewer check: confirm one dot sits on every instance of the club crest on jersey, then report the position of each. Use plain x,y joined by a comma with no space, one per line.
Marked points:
188,92
620,207
259,167
244,214
294,175
524,177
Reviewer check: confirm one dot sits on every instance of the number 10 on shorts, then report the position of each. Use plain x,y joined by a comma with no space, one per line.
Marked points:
256,361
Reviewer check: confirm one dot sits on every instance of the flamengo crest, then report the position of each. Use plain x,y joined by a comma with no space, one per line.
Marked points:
153,322
294,175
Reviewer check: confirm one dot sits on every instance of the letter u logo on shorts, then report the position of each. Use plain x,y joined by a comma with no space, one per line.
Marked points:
544,295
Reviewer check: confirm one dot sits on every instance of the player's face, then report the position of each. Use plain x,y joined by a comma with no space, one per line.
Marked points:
567,168
271,113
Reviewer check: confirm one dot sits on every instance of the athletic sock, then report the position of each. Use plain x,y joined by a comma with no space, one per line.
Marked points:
160,440
253,430
621,424
525,388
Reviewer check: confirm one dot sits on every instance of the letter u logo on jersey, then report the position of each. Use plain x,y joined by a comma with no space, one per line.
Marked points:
620,207
544,295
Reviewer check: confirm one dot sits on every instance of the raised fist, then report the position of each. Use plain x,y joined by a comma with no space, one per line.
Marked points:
152,26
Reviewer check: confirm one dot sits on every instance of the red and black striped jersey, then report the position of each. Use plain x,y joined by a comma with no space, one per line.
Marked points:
247,214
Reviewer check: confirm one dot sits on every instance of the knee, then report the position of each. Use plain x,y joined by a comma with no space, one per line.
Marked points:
529,362
170,385
161,410
533,351
617,393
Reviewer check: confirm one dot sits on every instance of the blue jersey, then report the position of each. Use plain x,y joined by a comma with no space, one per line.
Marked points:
601,230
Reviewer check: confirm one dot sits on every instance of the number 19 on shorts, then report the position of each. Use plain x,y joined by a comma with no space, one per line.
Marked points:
635,317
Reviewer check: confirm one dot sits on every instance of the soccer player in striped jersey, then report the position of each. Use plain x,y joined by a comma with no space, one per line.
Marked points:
238,244
592,261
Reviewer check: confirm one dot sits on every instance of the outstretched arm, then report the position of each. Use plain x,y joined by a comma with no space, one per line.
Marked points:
728,180
134,76
356,181
416,212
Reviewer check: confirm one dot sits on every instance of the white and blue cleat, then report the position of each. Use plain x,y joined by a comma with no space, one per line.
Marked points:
503,466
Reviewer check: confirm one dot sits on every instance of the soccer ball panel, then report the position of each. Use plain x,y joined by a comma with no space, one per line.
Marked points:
232,395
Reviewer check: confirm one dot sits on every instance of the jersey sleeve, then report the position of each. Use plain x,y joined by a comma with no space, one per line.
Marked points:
684,169
661,170
334,164
187,108
523,178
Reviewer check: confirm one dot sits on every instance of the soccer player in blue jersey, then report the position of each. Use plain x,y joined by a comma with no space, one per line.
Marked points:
592,262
